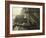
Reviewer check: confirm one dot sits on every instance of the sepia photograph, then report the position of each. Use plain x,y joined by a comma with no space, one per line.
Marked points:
25,18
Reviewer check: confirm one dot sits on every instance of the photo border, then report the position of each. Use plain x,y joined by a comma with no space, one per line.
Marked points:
25,31
7,18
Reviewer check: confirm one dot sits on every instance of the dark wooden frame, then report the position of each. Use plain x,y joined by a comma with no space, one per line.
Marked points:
7,18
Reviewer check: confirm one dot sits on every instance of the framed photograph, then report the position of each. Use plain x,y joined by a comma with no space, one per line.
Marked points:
24,18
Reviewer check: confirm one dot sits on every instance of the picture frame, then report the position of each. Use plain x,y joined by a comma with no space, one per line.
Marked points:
11,8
